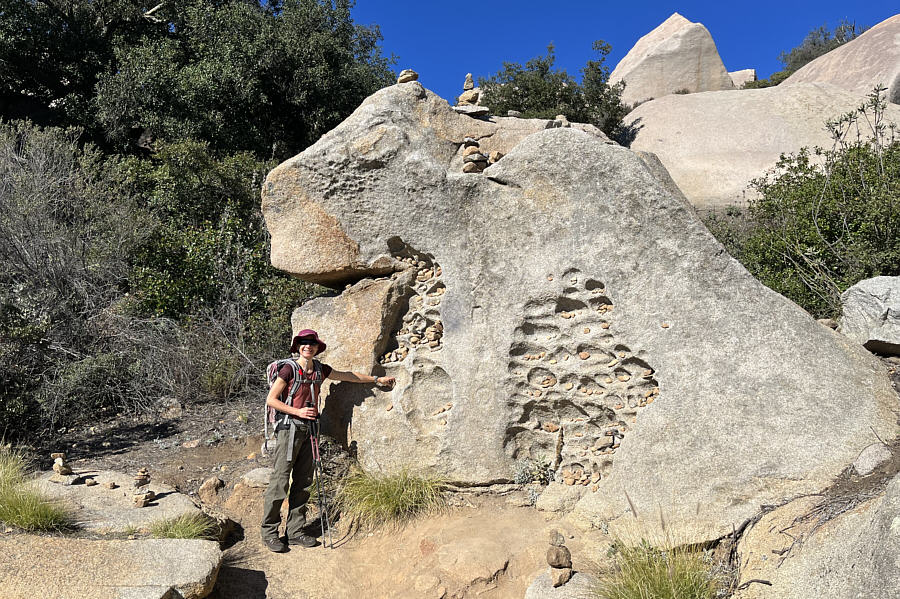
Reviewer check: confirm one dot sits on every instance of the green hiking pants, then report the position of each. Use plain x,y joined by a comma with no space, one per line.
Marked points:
292,476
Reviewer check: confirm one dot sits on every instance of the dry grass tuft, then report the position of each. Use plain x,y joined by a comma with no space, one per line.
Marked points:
375,500
23,506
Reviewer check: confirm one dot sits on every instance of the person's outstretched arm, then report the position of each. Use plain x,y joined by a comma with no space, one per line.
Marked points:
355,377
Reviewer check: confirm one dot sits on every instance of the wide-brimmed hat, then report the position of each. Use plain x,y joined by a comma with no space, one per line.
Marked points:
307,334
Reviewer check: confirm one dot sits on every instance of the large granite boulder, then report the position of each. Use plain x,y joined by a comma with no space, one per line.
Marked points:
871,314
63,568
855,555
676,56
568,306
714,144
859,65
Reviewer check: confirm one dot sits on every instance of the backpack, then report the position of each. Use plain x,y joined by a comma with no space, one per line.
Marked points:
271,417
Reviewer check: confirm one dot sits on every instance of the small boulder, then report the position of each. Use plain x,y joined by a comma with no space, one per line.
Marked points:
209,490
469,83
871,314
560,576
258,478
559,557
871,458
469,96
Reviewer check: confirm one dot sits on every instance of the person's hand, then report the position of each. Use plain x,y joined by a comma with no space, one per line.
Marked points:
386,381
309,413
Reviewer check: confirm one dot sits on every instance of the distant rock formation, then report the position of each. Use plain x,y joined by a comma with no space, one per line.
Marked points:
859,65
587,317
676,56
739,78
714,144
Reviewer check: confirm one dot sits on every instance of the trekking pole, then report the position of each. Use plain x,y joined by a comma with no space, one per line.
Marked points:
314,428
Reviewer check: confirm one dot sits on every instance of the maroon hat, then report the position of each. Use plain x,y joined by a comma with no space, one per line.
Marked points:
307,334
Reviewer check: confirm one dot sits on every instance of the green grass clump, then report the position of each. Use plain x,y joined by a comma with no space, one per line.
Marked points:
186,526
21,505
374,500
646,572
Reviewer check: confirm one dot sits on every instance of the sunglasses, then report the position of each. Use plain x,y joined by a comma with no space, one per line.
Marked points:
307,342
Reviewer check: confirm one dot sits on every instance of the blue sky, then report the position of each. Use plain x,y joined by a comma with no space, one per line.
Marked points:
445,40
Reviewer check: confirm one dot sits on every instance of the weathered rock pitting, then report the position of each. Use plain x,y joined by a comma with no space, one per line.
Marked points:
756,401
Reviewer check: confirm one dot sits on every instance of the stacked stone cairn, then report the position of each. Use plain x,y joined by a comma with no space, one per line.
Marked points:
142,495
62,472
559,559
407,75
469,101
421,327
473,160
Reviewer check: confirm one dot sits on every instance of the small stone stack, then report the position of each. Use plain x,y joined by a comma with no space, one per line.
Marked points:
59,464
473,160
142,495
407,75
469,101
559,559
62,472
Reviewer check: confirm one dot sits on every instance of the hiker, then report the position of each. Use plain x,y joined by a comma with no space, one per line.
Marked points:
293,467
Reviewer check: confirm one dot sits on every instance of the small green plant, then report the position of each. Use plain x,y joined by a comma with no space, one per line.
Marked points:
186,526
646,572
374,500
533,470
20,504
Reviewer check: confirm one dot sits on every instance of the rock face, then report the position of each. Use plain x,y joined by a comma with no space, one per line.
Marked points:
859,65
62,568
678,55
871,314
714,144
854,556
587,316
739,78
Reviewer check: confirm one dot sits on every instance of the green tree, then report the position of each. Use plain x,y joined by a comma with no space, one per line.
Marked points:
538,90
216,70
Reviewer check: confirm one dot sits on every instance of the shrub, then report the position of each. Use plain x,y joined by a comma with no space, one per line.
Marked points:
20,504
816,229
646,572
186,526
375,500
529,470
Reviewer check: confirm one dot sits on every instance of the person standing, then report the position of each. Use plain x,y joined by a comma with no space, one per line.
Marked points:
293,468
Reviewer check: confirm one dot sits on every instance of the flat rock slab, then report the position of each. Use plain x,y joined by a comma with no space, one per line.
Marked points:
258,478
63,568
580,586
104,510
854,556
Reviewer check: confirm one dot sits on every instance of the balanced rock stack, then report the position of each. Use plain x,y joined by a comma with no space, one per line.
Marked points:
142,495
473,160
62,472
59,464
422,328
469,101
559,559
407,75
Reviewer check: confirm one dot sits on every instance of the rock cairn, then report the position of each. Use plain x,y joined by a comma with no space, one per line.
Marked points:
421,328
59,464
62,472
469,101
407,75
473,160
142,495
559,559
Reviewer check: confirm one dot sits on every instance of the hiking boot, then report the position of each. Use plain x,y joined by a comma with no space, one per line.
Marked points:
276,545
303,540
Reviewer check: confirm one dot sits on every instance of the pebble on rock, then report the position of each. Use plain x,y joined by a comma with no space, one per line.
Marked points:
407,75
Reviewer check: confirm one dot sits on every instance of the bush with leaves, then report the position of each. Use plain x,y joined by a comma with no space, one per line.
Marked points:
538,90
825,219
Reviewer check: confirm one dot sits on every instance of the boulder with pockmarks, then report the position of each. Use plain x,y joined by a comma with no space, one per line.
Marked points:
565,305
